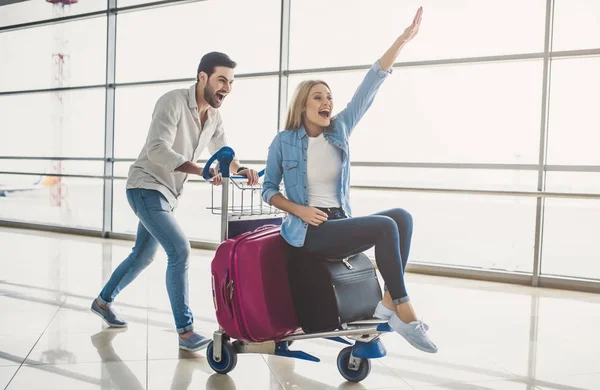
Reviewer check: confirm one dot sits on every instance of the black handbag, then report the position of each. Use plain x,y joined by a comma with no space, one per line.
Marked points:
330,292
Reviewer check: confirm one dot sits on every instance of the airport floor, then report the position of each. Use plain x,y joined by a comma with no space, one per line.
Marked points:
489,335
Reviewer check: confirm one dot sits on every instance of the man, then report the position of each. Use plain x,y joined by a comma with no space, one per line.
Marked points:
184,122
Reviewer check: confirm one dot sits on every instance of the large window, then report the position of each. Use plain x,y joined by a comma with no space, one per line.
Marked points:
248,31
53,124
47,167
468,230
461,113
436,178
32,57
576,25
571,226
50,125
32,11
573,128
351,32
249,115
459,134
571,230
133,114
67,201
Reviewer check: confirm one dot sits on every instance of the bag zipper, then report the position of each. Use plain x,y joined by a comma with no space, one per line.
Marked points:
347,264
354,276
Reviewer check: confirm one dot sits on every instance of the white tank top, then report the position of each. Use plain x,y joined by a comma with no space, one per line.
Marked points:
324,170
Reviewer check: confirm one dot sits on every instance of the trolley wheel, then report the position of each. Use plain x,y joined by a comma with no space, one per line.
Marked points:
343,360
228,358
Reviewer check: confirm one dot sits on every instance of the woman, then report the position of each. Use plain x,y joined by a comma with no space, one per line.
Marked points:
312,158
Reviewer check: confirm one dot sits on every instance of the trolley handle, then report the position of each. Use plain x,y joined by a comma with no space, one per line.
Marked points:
225,156
260,174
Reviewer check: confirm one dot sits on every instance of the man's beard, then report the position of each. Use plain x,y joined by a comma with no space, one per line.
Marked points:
209,96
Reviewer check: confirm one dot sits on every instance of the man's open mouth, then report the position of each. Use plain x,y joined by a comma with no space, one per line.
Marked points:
219,98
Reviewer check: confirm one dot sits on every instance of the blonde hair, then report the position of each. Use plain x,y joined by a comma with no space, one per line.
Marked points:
294,115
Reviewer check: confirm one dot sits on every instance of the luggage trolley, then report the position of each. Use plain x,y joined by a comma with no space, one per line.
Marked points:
242,209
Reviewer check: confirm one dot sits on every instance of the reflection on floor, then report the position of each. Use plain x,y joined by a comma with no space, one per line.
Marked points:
490,336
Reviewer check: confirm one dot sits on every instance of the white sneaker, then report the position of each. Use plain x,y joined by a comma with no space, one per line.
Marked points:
383,313
415,333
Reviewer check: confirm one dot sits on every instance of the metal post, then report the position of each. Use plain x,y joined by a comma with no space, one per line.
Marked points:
539,216
224,209
284,59
111,49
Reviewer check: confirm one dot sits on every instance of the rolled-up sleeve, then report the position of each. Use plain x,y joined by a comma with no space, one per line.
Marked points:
364,96
273,171
163,130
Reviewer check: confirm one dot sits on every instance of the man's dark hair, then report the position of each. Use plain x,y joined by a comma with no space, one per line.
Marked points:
211,60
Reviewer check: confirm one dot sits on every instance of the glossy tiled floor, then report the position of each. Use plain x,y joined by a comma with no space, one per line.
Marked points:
490,336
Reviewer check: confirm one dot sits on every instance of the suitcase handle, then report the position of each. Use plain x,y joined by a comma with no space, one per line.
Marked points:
265,227
226,295
257,230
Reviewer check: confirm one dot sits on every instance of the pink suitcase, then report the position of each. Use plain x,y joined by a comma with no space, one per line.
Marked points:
250,286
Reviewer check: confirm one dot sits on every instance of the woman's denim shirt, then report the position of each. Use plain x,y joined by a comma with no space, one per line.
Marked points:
287,156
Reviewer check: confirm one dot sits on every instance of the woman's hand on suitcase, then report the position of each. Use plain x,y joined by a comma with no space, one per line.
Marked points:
312,216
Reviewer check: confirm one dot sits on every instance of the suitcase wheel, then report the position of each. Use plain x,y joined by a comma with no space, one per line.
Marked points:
343,363
228,358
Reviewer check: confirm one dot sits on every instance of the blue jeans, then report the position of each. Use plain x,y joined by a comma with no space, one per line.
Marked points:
157,226
389,231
